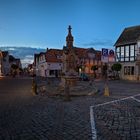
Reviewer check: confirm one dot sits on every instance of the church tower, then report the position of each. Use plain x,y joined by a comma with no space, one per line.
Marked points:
69,38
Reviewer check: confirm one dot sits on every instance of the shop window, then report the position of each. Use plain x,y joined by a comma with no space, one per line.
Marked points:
125,70
51,72
132,70
129,70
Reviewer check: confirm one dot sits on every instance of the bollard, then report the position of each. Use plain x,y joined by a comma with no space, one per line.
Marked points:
106,92
67,91
34,87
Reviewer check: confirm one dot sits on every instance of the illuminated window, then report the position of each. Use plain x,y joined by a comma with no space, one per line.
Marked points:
126,53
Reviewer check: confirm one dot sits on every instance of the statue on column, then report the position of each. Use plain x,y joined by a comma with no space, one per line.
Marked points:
69,55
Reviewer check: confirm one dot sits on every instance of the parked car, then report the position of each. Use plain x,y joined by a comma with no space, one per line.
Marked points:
84,77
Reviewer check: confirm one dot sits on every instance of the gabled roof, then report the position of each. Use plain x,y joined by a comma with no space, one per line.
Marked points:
36,56
129,35
81,52
91,50
4,53
54,55
11,58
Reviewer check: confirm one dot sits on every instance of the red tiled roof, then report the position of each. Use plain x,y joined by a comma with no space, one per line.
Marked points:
54,55
81,52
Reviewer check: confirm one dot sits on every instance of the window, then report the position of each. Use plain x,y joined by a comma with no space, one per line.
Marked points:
91,61
132,70
51,72
129,70
121,55
131,58
118,54
95,62
126,58
125,70
126,53
122,51
132,49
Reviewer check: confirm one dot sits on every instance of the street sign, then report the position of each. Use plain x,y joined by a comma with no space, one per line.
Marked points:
108,55
104,57
111,56
104,52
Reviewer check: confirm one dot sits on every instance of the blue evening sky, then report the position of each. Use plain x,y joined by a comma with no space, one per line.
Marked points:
44,23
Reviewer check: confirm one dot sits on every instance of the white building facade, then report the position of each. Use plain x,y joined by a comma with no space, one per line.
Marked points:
128,53
53,69
49,63
40,64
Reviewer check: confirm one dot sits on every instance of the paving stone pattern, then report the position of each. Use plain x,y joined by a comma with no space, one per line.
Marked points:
27,117
118,121
45,119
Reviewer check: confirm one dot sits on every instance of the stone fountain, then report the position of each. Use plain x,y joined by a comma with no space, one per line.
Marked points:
69,84
69,74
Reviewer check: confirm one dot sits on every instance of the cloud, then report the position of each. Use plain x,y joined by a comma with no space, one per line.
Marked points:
28,59
99,43
26,54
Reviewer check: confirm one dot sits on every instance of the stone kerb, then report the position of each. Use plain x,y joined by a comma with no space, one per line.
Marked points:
82,88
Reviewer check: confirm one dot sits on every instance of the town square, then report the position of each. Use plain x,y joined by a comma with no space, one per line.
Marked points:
67,105
87,117
69,70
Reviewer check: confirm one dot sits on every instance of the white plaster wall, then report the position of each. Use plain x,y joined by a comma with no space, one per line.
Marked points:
53,66
41,69
41,66
128,77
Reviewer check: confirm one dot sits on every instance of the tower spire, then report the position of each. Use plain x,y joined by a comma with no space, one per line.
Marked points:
69,29
69,38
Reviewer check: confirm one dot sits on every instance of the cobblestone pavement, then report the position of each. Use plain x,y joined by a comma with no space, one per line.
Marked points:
118,121
45,119
27,117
